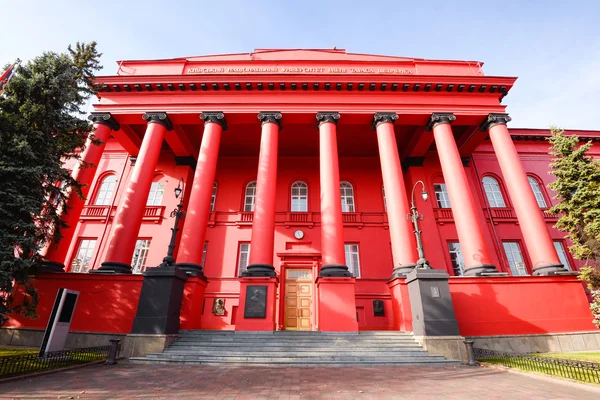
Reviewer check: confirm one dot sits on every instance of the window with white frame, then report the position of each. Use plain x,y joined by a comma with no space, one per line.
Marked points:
243,258
204,253
140,254
213,198
105,193
441,195
384,200
157,190
493,192
81,262
456,258
299,197
250,196
515,258
537,191
347,194
352,259
562,254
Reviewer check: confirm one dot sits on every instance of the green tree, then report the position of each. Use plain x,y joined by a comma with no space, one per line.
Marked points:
42,124
577,186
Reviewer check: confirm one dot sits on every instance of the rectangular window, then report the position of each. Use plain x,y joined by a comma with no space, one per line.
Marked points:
562,254
352,259
515,258
441,195
243,258
204,254
140,254
456,258
81,262
157,190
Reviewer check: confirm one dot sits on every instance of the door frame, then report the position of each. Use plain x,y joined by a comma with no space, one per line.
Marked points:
298,260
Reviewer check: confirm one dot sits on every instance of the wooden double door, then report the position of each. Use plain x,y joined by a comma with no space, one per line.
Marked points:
298,299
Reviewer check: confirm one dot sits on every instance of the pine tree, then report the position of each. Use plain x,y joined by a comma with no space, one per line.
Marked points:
42,124
577,186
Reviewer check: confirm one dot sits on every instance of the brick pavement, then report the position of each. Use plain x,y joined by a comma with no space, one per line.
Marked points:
129,381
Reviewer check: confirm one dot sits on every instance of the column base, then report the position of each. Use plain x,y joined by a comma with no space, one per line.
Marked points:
192,269
50,266
337,304
400,304
482,270
550,269
335,271
160,301
266,270
257,304
402,270
112,267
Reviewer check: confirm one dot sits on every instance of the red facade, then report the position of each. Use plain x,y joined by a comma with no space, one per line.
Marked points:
275,180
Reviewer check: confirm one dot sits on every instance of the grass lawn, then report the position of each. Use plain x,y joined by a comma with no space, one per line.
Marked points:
591,356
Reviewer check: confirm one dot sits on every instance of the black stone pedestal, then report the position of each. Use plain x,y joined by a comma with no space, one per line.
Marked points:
50,266
431,304
112,267
160,301
191,269
402,270
265,270
550,269
334,271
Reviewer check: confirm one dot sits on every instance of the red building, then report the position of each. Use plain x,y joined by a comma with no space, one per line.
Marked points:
298,170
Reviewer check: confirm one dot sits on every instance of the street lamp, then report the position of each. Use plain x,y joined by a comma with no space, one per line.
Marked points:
177,213
415,217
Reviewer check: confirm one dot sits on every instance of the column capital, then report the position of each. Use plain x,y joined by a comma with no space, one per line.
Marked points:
273,117
439,118
383,117
104,118
494,119
327,116
216,117
158,117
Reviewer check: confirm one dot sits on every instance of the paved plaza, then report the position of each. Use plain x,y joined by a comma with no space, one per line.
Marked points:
128,381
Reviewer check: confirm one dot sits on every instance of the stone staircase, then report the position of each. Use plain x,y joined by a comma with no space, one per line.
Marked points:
289,348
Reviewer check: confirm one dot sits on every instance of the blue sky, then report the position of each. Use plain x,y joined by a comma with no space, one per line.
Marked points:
552,46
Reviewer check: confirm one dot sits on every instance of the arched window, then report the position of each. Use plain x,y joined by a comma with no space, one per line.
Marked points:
250,196
493,192
213,198
157,190
537,191
105,193
347,194
299,197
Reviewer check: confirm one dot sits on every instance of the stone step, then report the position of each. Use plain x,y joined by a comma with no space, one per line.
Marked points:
275,347
294,334
288,354
291,340
142,360
294,358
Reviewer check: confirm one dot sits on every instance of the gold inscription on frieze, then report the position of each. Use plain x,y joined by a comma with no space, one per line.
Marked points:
299,70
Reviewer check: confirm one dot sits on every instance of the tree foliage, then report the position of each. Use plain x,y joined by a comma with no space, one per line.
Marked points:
42,124
577,186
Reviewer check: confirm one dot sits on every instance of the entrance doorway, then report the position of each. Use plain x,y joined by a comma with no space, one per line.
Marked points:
298,303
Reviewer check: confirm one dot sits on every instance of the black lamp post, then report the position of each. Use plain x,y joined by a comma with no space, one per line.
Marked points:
415,217
177,213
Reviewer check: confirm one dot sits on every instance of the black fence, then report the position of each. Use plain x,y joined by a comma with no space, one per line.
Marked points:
29,363
572,369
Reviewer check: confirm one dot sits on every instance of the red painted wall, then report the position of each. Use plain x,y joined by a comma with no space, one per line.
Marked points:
107,303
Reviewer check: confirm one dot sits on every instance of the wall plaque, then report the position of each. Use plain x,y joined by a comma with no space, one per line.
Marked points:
378,309
218,306
256,302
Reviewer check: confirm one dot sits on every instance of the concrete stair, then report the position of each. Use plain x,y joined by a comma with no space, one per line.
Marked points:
289,348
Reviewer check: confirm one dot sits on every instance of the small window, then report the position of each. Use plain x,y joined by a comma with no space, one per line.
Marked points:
537,191
456,258
299,197
213,198
441,195
157,190
81,262
105,193
352,259
243,258
250,196
140,254
493,192
515,258
204,253
347,194
562,254
384,200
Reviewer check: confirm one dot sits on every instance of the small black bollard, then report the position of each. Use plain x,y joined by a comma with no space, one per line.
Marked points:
470,354
112,353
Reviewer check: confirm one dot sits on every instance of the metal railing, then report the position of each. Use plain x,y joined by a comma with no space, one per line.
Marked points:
29,363
572,369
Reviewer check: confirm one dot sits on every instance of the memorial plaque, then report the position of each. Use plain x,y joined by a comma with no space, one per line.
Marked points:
378,309
256,302
218,306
